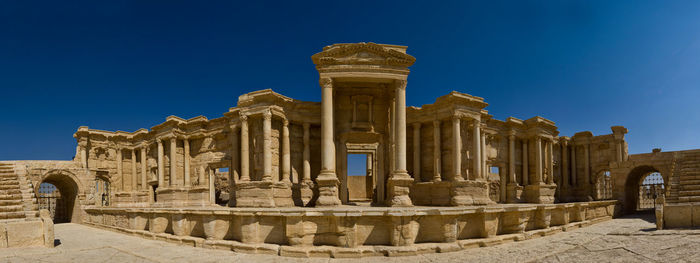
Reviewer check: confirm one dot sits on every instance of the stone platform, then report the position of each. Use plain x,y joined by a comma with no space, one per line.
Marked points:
350,231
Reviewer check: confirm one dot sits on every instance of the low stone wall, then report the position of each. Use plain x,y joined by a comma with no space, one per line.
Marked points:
28,232
350,231
681,215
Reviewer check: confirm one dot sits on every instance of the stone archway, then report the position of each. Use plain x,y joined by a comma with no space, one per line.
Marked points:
69,189
632,184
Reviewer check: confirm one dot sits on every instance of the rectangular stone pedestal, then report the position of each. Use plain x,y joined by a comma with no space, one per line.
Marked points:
182,196
465,193
255,194
540,193
282,194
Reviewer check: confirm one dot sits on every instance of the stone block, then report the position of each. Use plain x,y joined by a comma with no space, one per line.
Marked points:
678,215
25,233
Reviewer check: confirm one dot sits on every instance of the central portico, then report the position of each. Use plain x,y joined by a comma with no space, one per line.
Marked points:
363,110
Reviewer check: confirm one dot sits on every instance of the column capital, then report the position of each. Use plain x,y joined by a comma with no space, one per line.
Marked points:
285,122
416,125
242,116
325,82
436,122
267,115
401,83
306,125
456,117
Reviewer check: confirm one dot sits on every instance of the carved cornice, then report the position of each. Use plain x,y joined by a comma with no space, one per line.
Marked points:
362,54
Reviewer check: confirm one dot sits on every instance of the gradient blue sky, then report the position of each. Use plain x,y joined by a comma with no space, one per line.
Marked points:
124,65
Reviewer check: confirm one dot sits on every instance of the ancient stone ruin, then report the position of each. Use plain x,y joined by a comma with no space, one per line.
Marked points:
271,174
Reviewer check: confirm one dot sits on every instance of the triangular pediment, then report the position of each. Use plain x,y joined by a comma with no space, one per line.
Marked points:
363,54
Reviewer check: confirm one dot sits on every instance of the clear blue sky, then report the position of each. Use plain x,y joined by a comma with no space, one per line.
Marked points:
124,65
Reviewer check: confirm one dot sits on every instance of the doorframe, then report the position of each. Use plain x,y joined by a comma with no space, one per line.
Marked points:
372,151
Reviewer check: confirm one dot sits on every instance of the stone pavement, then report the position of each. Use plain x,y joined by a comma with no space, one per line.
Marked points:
630,239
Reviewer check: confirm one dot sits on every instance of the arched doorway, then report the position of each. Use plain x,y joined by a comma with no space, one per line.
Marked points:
60,193
642,186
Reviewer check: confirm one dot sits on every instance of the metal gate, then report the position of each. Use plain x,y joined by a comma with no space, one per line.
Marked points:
50,199
652,187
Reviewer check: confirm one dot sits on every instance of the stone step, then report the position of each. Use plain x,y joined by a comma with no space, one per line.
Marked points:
12,215
690,187
10,197
10,202
11,208
689,193
11,192
689,181
686,199
13,183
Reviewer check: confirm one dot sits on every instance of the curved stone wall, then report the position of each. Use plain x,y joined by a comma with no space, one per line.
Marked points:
350,231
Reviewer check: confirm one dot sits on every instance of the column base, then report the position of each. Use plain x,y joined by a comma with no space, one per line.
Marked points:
303,193
327,183
466,193
514,193
399,185
255,194
540,193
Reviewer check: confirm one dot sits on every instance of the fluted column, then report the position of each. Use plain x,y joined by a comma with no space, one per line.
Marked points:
327,180
144,168
538,160
286,155
173,161
526,167
161,165
564,163
120,172
245,155
437,154
484,169
511,159
267,146
416,151
186,161
550,162
306,177
476,131
456,149
133,170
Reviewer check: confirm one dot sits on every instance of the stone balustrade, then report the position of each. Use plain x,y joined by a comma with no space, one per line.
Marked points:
350,231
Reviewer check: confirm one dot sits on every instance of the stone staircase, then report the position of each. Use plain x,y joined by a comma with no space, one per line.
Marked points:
687,173
17,198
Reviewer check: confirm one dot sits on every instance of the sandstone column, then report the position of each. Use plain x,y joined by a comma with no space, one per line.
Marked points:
173,161
286,156
574,180
484,169
564,163
550,162
133,170
83,153
120,172
511,159
144,168
306,155
477,149
416,151
212,189
186,161
233,171
456,149
161,166
245,155
538,160
267,146
327,180
437,154
526,167
399,181
587,162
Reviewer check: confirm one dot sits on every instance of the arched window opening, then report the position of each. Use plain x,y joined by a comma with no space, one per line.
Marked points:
651,186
